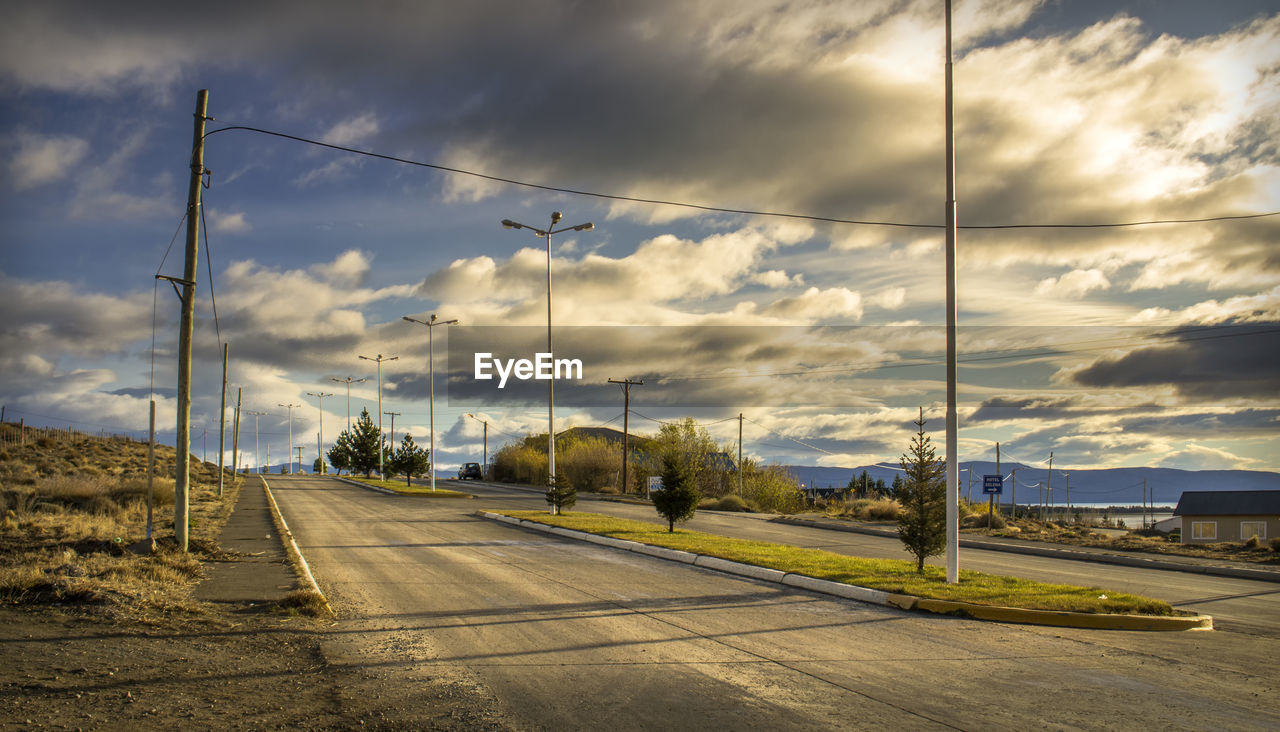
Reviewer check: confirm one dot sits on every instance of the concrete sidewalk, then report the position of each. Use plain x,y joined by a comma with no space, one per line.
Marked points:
1170,562
256,569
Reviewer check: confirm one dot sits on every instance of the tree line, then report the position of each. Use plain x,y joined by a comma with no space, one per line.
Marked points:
357,449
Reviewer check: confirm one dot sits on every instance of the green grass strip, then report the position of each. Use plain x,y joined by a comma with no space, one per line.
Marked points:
890,575
410,490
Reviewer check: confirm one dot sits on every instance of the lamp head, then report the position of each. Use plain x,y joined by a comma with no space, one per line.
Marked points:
555,217
509,224
585,227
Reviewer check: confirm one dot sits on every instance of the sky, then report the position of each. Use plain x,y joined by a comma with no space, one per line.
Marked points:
1149,345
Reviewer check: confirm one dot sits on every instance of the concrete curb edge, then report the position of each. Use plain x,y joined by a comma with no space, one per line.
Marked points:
291,547
1120,560
1096,621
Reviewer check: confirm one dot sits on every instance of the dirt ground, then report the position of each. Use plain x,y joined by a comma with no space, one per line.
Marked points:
234,668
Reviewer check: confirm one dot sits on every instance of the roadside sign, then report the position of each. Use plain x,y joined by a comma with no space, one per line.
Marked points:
655,483
992,485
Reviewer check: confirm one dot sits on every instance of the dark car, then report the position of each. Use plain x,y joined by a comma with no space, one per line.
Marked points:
470,470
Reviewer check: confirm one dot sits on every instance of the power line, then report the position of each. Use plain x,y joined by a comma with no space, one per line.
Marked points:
721,209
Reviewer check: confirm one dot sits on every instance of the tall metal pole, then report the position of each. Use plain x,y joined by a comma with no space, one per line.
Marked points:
348,381
431,323
393,416
379,361
290,407
257,457
320,440
186,330
1048,491
953,475
551,383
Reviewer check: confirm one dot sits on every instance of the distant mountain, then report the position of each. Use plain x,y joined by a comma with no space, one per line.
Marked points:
1116,486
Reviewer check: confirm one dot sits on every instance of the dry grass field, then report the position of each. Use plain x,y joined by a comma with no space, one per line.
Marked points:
73,524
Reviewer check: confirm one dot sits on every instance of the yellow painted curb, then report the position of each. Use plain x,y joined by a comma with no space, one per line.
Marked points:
1061,619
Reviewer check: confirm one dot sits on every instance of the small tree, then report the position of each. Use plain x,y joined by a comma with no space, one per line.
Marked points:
409,460
365,441
340,453
561,496
922,524
678,499
318,466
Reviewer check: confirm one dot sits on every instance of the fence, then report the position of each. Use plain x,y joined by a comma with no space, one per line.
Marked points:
18,434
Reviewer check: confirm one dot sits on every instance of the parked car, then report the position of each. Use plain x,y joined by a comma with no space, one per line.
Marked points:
470,470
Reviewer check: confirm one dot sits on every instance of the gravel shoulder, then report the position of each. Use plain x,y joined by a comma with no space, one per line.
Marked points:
237,659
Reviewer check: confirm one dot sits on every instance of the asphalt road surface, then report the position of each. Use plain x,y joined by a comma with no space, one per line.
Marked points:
568,635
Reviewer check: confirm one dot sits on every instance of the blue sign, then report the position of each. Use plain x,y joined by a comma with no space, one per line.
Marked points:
992,485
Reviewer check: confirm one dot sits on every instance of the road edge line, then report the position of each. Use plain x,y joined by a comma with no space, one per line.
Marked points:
993,613
291,548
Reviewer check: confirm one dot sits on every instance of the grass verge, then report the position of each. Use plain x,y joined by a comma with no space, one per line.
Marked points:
889,575
410,490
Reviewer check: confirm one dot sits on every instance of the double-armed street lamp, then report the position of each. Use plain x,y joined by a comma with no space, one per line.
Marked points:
348,381
256,459
290,406
380,358
431,323
551,383
320,395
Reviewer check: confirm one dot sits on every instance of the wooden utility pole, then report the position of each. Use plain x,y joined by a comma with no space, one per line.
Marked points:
235,435
739,453
186,330
393,415
626,415
222,417
1048,491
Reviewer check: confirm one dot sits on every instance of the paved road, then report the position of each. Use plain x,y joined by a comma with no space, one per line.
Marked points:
567,635
1235,604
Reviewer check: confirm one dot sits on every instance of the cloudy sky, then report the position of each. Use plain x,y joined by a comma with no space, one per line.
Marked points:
1135,346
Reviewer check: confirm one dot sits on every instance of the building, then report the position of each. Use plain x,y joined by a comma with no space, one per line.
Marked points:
1210,516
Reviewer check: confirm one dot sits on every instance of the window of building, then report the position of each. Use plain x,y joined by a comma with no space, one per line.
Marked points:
1204,530
1253,528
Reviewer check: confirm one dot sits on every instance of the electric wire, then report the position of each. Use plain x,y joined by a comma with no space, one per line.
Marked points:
722,209
208,261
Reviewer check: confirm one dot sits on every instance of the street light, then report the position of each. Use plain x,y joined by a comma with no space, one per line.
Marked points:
551,383
256,459
431,379
348,382
484,456
320,441
379,361
290,406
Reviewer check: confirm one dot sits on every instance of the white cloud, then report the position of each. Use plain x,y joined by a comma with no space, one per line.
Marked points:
1201,457
44,159
353,130
1073,284
816,305
776,279
229,223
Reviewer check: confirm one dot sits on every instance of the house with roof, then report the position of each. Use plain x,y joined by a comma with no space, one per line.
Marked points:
1212,516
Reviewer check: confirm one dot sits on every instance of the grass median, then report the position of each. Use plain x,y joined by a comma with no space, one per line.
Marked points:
889,575
410,490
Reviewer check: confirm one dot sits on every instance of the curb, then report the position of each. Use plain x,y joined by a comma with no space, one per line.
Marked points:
291,547
1061,619
1261,575
376,488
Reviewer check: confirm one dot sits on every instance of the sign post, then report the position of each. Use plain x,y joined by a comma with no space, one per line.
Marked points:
655,483
993,486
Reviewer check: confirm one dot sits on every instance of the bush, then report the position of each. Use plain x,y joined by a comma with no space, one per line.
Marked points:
731,502
1275,545
772,489
590,463
1252,542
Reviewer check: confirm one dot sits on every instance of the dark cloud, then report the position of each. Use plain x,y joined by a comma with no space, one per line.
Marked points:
1218,363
